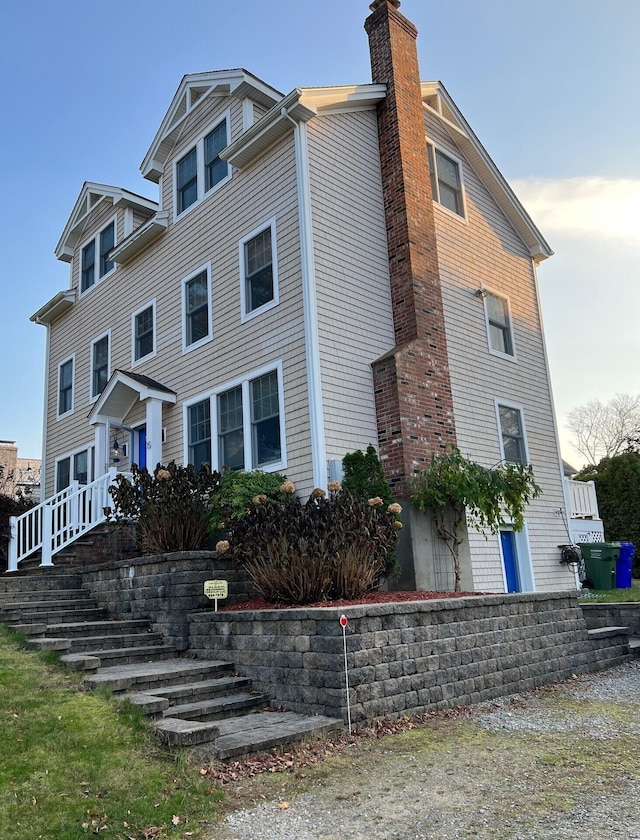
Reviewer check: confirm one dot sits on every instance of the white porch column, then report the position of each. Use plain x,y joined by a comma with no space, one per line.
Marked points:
102,449
154,433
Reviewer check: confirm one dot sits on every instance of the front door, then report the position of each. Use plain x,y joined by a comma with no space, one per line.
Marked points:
510,559
140,443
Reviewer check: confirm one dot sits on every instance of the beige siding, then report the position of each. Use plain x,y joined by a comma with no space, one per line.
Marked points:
209,233
485,251
354,305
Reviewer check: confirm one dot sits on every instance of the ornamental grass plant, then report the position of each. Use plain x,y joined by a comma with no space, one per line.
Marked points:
327,548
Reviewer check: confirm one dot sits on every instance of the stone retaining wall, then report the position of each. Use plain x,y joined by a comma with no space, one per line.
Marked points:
407,657
613,615
163,588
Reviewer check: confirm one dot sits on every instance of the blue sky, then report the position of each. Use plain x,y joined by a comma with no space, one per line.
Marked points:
550,88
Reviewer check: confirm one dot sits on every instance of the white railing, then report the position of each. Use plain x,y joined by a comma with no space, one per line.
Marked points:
57,522
582,499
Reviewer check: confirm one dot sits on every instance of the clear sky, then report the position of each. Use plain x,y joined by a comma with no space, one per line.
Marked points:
549,86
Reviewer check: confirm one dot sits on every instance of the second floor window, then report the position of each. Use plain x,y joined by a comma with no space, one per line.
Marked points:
197,310
65,387
499,324
99,365
514,447
143,333
259,270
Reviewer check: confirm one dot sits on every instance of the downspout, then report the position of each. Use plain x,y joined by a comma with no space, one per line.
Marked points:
310,306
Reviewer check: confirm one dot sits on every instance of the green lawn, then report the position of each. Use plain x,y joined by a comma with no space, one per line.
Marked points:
611,596
75,765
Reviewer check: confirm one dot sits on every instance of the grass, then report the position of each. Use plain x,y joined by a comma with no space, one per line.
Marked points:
611,596
75,764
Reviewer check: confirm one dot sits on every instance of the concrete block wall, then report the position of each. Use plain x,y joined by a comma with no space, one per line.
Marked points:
613,615
407,657
163,588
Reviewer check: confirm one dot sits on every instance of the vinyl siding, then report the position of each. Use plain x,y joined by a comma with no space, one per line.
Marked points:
485,251
352,275
210,232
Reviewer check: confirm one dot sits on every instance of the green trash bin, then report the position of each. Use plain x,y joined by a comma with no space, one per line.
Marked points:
600,563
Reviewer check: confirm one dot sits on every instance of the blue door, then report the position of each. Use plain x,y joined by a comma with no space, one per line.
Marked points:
141,448
508,541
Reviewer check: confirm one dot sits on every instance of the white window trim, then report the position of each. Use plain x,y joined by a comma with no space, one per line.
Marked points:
96,240
523,558
198,145
89,448
248,316
151,304
212,395
519,407
463,193
187,348
106,334
71,359
492,350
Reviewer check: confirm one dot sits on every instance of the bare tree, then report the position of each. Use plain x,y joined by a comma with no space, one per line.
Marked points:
603,430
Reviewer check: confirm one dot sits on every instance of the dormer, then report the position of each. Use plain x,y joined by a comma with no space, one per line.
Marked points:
102,217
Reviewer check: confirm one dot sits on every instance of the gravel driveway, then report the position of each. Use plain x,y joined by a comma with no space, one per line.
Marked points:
562,762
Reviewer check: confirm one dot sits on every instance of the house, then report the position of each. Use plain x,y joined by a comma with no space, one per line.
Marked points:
18,476
321,270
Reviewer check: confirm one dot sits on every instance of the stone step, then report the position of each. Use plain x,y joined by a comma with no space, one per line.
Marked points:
38,582
634,646
94,645
19,598
40,616
144,676
216,708
185,733
50,607
204,689
89,629
265,730
131,655
606,632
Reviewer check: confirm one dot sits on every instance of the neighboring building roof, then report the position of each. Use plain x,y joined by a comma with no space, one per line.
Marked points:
91,195
568,469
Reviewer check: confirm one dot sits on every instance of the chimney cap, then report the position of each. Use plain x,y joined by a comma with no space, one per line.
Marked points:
377,3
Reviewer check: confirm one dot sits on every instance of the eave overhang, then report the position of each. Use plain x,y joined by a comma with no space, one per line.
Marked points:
141,238
54,308
438,103
340,98
121,393
192,91
91,196
273,126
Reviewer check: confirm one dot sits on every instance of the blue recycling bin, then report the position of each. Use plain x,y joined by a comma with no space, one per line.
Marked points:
624,565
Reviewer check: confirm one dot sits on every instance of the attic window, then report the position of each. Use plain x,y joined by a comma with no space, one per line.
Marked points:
202,169
95,261
446,181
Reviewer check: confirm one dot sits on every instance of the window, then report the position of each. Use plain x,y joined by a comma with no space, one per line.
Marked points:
498,324
446,181
245,418
65,387
102,244
99,365
197,309
258,269
231,429
512,435
144,336
202,169
200,434
77,466
265,419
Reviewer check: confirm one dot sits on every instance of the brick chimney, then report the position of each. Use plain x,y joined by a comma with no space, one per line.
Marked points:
411,383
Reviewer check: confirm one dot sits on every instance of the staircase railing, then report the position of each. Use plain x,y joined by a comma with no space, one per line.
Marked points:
58,521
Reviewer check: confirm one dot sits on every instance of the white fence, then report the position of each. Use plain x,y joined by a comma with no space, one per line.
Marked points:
582,499
58,521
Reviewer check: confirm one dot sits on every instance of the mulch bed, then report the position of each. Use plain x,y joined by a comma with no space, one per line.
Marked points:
374,597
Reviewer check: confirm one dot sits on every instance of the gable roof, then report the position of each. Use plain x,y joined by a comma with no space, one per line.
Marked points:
437,102
91,195
192,92
121,393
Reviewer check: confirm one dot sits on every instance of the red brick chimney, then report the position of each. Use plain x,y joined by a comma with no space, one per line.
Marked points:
411,383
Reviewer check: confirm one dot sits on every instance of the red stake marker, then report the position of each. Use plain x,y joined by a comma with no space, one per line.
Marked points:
343,621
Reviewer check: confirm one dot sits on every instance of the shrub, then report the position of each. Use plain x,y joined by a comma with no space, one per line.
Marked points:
11,506
364,476
237,489
171,506
324,549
